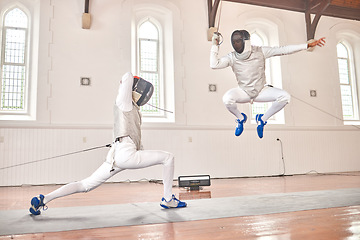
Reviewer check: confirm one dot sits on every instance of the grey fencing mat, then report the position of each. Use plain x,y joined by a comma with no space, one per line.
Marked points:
87,217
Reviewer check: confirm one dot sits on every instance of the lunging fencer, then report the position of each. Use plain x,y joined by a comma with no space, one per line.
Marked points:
248,65
126,150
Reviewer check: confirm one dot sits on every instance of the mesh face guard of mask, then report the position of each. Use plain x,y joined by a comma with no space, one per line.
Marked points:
240,41
142,91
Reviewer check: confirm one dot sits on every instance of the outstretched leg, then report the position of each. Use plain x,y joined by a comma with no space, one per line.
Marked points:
96,179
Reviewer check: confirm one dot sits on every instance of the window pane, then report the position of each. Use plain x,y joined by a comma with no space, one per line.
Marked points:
148,30
149,60
341,51
148,53
13,87
13,74
15,46
347,97
16,18
347,102
343,71
259,108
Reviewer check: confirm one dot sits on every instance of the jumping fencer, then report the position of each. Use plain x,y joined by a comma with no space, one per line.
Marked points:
126,150
248,65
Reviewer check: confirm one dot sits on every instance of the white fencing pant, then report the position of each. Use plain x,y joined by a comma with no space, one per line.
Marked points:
125,157
278,97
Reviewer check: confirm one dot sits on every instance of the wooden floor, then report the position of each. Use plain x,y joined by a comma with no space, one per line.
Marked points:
327,224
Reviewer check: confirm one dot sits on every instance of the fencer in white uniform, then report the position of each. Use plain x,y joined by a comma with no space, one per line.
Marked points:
248,65
126,150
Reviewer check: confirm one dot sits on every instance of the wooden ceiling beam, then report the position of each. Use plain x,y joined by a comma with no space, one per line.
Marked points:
320,6
292,5
212,10
317,7
342,12
299,6
314,4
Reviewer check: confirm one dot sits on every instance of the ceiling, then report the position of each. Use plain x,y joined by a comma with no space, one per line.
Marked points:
347,9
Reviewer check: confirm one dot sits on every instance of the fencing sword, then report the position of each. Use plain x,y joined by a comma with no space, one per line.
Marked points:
62,155
67,154
159,108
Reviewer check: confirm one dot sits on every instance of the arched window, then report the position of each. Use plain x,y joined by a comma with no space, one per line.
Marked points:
153,58
148,62
257,107
347,83
14,66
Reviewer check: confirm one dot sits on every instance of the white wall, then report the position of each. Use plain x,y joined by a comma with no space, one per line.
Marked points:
72,118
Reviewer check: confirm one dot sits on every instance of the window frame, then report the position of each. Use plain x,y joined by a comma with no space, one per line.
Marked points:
32,44
5,29
147,110
162,18
352,80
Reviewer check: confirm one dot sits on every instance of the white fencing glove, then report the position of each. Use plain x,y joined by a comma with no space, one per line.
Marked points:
216,39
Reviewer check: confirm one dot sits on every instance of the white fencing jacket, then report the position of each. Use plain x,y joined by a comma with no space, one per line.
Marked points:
127,116
250,72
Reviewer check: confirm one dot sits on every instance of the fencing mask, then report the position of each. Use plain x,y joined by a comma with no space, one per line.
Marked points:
142,91
240,40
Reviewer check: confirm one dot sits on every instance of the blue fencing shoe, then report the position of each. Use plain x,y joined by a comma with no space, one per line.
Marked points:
261,124
173,203
36,204
240,127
